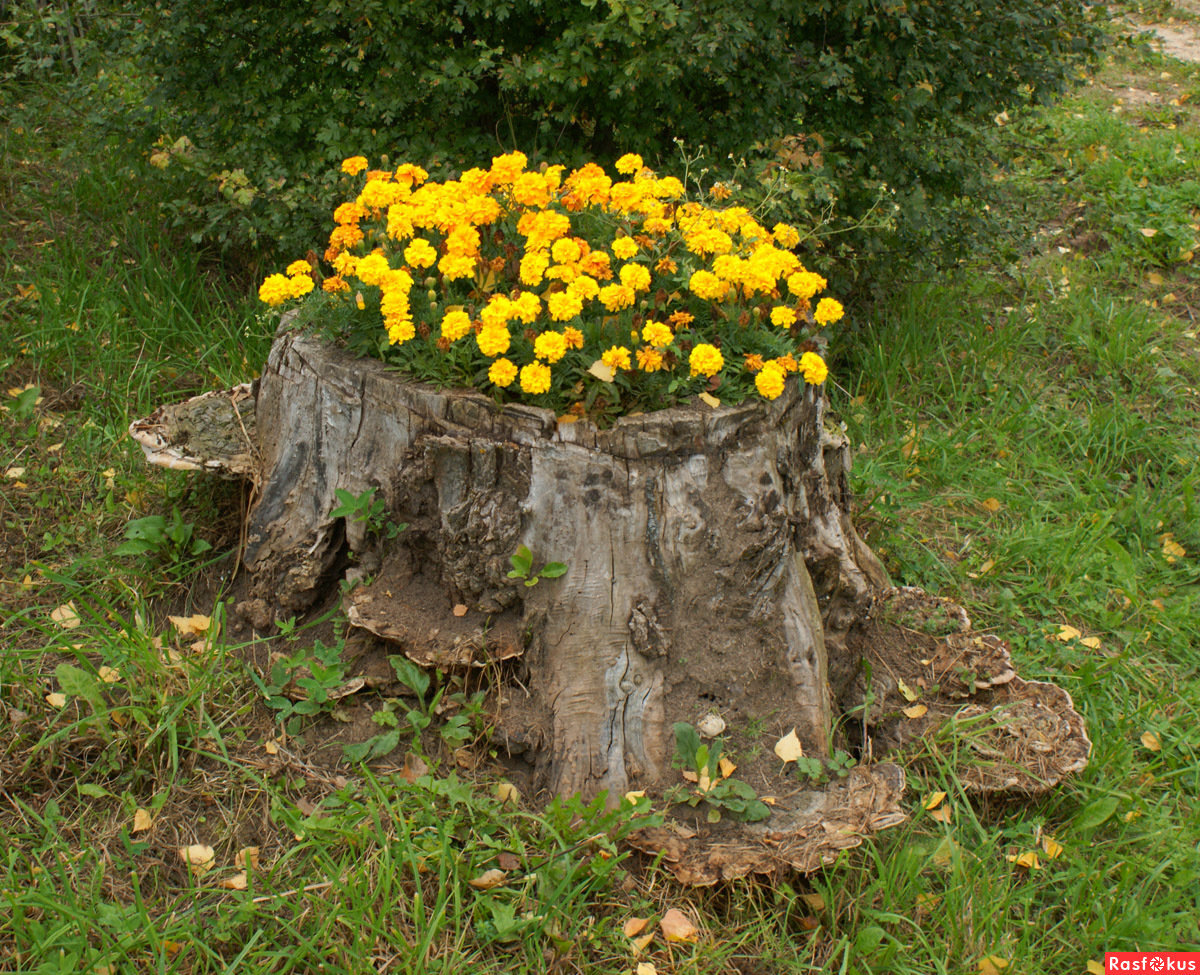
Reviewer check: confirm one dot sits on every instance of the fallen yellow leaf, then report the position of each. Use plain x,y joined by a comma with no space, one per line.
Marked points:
1052,848
66,616
237,881
992,965
1154,277
1151,741
190,625
246,858
646,968
1028,860
1171,548
633,795
726,767
710,400
199,858
109,675
942,814
56,700
1067,633
488,879
271,748
788,748
1095,967
814,902
634,926
908,692
934,799
142,820
13,473
916,711
1149,232
676,926
642,942
460,609
601,371
507,792
990,504
1092,642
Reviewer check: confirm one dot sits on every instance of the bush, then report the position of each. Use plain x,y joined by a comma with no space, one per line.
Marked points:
837,97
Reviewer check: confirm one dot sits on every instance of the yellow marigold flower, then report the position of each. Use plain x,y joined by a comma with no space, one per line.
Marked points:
631,162
300,285
616,357
563,272
657,334
455,324
275,290
400,224
813,368
400,330
708,240
298,267
649,360
344,237
787,363
411,174
624,247
354,165
754,362
636,276
614,297
420,253
597,264
334,285
666,266
379,195
668,188
506,168
531,190
463,240
783,317
477,181
481,210
542,227
457,266
574,337
730,268
563,305
785,235
497,312
829,310
566,250
706,285
658,226
501,373
681,319
627,197
805,284
395,304
527,306
585,286
535,378
533,268
705,360
493,341
348,213
372,269
770,381
550,346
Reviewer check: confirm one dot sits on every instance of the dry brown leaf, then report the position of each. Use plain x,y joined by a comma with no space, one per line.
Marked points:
934,799
488,879
788,748
916,711
237,881
508,861
66,616
460,609
814,902
942,814
56,700
726,767
190,625
676,926
414,768
634,926
1151,741
142,820
642,942
199,858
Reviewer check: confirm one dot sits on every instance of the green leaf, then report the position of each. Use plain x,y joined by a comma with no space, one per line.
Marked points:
79,683
1096,812
552,570
687,742
522,562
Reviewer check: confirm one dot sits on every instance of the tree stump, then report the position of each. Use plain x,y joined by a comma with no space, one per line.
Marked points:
712,571
710,554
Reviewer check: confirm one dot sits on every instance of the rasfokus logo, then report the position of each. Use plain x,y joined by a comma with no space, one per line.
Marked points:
1151,961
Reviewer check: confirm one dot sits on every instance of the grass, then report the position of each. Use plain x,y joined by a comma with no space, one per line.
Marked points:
1028,441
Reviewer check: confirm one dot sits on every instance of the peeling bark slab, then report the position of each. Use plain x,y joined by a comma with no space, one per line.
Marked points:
214,432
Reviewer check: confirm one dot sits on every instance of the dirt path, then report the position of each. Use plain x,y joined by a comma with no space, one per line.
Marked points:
1180,38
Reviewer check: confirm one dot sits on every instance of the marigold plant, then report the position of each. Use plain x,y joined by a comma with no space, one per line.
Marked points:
572,290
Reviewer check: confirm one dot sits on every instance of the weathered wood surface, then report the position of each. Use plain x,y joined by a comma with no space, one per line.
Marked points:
710,555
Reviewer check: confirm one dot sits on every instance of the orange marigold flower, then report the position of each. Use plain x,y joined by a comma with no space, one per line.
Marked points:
681,319
754,362
354,165
506,168
574,337
666,266
631,162
334,285
649,359
597,264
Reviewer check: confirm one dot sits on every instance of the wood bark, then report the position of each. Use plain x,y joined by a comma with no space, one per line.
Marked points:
711,559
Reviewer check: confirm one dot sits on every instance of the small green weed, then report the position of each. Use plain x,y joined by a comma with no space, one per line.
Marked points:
157,538
522,566
713,786
298,686
369,511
